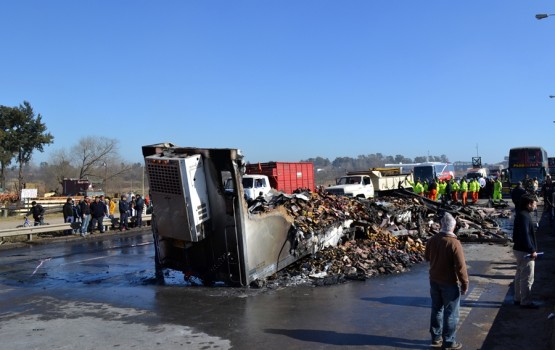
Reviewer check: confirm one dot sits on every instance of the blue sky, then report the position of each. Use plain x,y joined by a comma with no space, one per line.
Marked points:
286,80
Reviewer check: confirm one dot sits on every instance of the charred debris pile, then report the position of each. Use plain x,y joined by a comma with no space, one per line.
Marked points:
387,234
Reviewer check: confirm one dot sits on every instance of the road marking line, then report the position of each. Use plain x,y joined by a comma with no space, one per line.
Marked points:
471,297
85,260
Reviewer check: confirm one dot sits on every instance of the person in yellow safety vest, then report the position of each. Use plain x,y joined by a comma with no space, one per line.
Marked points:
416,186
426,188
454,190
473,189
497,186
440,189
463,189
476,191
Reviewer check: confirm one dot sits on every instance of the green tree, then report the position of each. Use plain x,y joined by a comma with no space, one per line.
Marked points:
319,162
8,140
420,159
30,135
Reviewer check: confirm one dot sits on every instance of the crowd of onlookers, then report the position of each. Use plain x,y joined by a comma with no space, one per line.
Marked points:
97,214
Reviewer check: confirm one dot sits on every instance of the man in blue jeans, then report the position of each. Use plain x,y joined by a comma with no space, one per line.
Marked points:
448,281
525,252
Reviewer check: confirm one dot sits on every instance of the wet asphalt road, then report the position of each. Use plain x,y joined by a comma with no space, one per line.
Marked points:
103,294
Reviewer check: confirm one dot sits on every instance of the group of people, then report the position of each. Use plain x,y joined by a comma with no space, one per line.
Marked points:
448,276
458,191
88,215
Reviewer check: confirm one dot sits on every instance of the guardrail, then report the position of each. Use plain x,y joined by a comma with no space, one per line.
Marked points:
31,230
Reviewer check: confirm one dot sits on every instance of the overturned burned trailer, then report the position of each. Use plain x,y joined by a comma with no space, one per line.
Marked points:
205,231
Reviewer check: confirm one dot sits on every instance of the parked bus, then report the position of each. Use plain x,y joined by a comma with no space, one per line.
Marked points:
434,170
531,161
551,164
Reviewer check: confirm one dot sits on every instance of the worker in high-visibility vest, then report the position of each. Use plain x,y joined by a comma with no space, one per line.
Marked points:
497,186
474,188
441,187
454,190
417,186
463,189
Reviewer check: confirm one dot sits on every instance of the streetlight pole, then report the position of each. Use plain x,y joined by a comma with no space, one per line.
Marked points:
143,193
552,96
105,178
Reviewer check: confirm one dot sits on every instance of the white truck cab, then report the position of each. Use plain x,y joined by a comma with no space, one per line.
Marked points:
353,186
480,174
253,186
477,173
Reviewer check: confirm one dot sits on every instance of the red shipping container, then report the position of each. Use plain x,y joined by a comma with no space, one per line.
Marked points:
285,176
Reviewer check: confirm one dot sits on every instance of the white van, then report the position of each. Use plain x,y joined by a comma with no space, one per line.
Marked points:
477,173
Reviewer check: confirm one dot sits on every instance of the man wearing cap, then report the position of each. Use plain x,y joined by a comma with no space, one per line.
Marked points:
448,281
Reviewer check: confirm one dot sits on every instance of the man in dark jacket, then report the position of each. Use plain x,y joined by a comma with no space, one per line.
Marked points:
85,210
123,213
67,210
516,194
38,213
139,207
98,211
525,252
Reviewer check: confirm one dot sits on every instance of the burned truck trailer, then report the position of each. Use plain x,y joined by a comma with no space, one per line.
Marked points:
201,229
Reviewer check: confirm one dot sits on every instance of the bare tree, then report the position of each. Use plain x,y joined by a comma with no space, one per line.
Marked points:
61,167
98,157
91,153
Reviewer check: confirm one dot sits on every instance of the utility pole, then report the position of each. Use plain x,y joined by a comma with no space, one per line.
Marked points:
105,178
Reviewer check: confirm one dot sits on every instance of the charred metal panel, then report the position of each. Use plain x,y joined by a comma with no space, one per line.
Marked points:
220,240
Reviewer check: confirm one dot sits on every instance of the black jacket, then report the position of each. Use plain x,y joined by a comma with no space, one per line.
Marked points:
516,193
85,209
98,209
140,204
123,206
524,238
67,210
37,210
